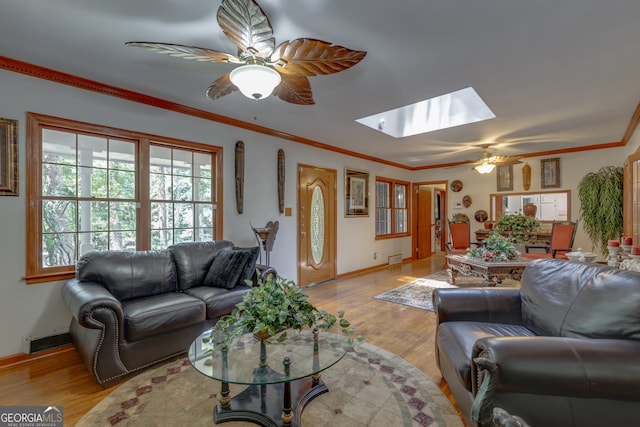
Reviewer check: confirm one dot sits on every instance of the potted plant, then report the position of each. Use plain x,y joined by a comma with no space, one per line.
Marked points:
519,227
274,306
495,248
601,205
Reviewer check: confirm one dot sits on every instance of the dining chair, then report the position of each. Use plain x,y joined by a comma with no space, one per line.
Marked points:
460,242
560,242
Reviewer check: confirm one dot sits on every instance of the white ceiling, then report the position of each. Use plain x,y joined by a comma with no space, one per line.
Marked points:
558,74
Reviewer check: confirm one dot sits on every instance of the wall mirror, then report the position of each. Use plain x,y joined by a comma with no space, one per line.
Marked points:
550,205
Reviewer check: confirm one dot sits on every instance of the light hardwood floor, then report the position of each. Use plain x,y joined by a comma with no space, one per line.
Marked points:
61,379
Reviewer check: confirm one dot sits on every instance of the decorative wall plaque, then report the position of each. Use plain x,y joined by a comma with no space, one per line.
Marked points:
239,176
281,172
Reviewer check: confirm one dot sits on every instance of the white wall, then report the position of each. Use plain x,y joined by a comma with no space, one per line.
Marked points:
36,311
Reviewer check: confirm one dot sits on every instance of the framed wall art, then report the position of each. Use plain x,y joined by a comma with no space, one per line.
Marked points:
504,174
356,193
550,173
8,157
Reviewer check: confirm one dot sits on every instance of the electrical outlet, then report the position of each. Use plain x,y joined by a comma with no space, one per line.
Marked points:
375,255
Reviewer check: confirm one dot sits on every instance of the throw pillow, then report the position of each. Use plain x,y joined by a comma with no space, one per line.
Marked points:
250,266
229,267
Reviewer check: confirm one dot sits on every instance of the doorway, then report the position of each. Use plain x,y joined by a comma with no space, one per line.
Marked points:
316,224
429,219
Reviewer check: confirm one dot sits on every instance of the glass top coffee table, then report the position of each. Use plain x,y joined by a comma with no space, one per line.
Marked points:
282,377
493,272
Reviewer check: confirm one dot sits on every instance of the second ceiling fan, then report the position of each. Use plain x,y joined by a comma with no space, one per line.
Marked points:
487,161
263,67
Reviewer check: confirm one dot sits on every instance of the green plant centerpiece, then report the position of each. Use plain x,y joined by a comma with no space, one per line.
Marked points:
274,306
601,205
520,228
495,248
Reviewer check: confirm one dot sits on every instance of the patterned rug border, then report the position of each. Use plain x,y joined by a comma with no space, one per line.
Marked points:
369,387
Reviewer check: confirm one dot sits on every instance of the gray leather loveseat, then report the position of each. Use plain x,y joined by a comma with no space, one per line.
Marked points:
563,350
133,309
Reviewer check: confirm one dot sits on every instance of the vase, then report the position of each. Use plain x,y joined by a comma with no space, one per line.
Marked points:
530,209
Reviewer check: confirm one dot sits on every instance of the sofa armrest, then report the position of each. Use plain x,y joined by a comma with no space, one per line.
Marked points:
559,366
496,305
93,305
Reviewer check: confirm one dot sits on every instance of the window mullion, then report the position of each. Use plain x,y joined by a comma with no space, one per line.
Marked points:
143,196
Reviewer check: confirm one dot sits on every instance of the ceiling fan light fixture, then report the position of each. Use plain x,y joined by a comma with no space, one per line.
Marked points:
255,81
484,168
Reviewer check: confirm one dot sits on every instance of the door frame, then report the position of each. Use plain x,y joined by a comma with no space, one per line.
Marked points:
414,210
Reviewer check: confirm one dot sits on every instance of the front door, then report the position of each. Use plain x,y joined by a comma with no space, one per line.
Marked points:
316,224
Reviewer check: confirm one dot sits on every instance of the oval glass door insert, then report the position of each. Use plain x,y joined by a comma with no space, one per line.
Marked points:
317,225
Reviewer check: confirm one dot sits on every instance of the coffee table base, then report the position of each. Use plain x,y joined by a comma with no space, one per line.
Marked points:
265,404
493,272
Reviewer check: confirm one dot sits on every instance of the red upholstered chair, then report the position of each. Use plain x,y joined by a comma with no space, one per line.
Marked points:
460,243
562,235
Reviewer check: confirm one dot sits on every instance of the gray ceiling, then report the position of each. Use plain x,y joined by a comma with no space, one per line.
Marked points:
558,74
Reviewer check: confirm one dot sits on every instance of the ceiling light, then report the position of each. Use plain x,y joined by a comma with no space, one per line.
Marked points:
255,81
484,168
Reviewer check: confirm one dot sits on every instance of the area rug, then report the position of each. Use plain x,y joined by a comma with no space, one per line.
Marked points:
368,387
418,293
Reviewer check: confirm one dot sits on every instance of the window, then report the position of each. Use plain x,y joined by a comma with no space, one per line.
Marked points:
181,196
392,212
95,188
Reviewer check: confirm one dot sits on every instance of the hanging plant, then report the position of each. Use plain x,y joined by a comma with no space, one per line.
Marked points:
601,207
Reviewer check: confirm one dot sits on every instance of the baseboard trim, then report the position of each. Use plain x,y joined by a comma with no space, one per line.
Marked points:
369,269
21,358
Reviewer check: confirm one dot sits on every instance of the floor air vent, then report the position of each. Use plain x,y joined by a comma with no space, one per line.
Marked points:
395,260
49,342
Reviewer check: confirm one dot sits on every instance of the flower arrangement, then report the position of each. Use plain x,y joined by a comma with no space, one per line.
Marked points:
495,248
273,306
520,227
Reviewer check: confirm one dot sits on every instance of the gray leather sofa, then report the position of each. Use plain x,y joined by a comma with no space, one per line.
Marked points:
133,309
563,350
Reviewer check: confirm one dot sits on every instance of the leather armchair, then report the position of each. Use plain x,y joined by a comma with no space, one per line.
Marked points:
562,350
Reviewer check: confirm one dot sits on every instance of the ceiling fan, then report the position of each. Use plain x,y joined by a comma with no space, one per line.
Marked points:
263,66
487,161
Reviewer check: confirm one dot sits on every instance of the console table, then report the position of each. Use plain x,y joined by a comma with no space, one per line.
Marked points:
493,272
282,377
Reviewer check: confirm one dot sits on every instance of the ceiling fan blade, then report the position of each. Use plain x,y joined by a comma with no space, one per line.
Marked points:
311,57
220,88
505,160
296,89
186,52
246,25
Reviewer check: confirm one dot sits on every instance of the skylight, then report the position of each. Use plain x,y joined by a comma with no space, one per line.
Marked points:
453,109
